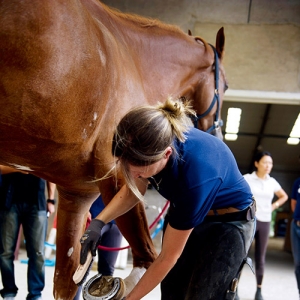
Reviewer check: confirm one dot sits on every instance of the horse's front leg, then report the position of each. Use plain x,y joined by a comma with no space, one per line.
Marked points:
134,227
71,222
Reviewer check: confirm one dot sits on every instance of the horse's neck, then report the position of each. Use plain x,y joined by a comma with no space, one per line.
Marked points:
166,54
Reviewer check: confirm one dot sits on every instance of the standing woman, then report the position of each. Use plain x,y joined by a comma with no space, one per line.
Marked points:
211,221
263,187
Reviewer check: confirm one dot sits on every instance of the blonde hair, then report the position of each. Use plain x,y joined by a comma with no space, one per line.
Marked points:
145,132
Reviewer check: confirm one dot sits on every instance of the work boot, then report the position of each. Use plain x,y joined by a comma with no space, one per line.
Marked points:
258,295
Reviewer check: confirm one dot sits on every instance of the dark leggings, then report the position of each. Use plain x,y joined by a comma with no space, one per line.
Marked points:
111,237
261,242
210,261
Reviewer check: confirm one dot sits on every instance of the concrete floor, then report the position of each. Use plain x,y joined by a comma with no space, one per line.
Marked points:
279,281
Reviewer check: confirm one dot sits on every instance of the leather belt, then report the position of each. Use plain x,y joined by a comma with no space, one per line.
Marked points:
222,211
231,214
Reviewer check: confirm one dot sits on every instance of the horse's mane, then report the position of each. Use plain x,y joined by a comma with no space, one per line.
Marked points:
143,21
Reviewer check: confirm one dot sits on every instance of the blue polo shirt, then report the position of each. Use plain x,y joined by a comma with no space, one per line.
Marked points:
296,196
203,176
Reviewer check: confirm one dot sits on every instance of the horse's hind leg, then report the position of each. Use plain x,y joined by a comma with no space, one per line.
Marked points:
71,222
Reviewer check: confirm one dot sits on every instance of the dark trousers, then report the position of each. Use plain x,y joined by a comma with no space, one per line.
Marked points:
261,244
211,259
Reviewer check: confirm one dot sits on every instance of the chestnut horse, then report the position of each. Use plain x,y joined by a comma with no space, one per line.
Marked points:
69,70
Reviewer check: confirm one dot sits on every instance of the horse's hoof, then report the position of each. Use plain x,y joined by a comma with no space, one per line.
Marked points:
104,288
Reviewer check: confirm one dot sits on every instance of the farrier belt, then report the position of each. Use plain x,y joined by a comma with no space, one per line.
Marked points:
231,214
222,211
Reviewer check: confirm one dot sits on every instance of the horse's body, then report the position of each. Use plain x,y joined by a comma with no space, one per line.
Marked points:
69,70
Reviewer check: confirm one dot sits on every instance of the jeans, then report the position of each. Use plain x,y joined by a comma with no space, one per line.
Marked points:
295,239
34,225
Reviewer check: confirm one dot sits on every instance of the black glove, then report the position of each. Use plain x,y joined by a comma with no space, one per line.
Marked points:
91,239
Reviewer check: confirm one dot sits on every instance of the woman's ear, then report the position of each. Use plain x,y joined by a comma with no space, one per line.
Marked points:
168,152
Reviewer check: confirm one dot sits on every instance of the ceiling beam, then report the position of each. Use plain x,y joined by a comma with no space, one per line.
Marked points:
262,97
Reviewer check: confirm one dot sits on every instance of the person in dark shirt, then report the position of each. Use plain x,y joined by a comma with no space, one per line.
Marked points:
23,202
295,228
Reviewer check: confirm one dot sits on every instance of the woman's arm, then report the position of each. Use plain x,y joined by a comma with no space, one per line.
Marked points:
282,198
51,187
173,244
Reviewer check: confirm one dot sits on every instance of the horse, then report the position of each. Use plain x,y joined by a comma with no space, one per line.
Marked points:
69,70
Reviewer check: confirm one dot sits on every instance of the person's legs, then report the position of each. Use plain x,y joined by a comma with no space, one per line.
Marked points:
295,241
111,237
210,261
9,231
261,243
34,226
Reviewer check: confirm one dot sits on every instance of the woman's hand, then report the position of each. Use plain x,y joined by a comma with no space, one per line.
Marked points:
167,258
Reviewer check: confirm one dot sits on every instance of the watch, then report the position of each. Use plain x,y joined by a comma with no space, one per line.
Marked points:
51,201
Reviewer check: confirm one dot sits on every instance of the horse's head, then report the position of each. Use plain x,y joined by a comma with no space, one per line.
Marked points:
209,92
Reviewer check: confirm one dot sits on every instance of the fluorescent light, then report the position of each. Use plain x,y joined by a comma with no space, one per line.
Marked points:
295,133
231,136
293,141
232,123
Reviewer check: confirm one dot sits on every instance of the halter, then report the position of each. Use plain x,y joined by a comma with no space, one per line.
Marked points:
217,122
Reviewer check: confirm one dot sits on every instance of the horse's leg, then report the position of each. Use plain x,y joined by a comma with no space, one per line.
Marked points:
134,227
71,222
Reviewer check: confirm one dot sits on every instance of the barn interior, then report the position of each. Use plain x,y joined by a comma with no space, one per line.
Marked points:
262,63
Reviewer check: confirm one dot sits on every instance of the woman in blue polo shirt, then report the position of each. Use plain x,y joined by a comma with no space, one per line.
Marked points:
295,229
210,223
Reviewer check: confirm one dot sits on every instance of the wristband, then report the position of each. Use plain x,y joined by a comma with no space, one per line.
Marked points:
52,201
